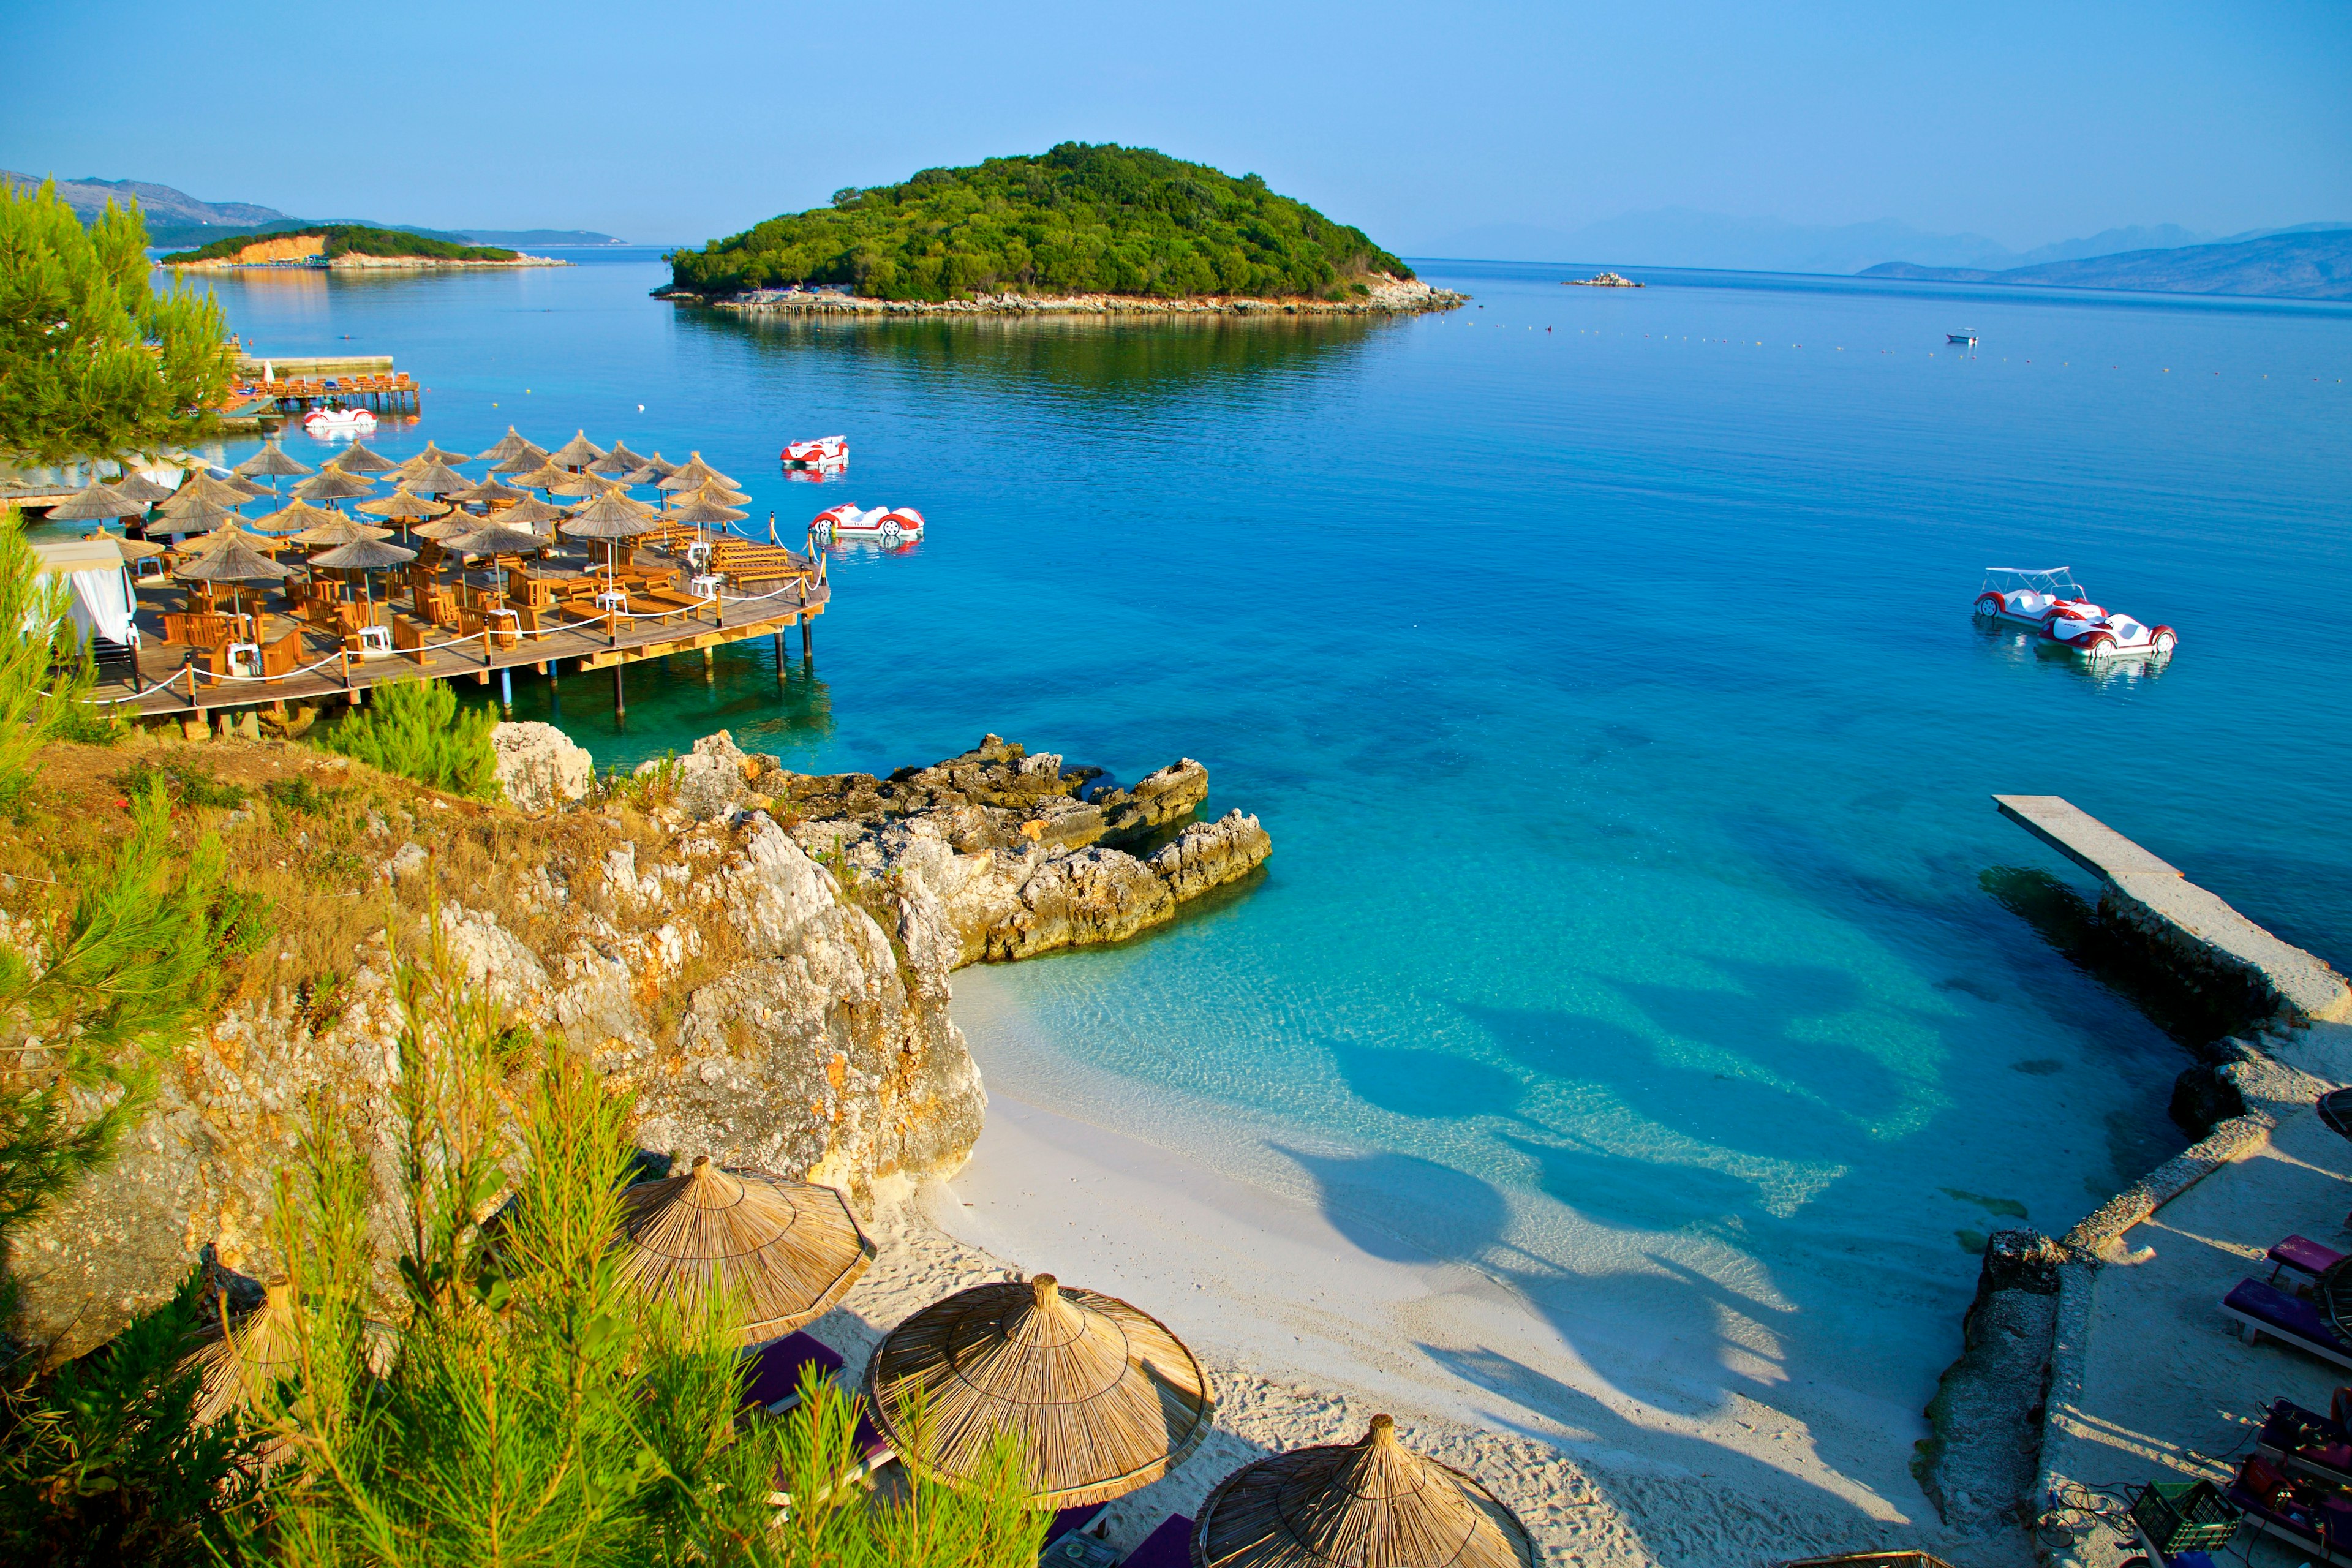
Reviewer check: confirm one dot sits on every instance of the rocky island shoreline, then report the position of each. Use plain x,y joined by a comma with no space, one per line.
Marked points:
1385,296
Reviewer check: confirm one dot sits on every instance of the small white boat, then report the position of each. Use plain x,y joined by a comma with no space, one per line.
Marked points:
2048,600
1967,338
824,454
849,520
339,422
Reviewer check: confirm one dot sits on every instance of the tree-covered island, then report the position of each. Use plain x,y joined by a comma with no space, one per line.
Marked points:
1080,219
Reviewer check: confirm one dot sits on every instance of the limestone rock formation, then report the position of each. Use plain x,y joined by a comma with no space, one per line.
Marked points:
540,767
760,1017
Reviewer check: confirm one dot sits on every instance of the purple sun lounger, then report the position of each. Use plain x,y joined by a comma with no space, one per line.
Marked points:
2297,1440
2262,1309
775,1385
1170,1546
2304,1256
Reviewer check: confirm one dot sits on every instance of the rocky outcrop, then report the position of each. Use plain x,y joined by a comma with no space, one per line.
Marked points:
538,767
1979,1461
1013,854
1380,295
759,1014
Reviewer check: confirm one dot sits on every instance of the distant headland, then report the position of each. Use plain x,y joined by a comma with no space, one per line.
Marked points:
349,248
1081,230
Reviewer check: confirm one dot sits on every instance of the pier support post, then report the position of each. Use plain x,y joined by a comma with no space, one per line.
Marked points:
780,655
710,664
505,688
620,698
808,640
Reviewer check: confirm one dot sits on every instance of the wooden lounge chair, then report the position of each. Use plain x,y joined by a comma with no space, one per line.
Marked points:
196,628
284,655
2265,1309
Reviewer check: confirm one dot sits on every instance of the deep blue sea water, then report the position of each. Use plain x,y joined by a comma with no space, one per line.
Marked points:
1601,663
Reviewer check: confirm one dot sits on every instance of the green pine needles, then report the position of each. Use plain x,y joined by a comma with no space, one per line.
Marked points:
1080,219
93,361
417,730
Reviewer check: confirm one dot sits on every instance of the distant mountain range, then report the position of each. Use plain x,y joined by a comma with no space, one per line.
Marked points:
2296,265
1682,237
176,220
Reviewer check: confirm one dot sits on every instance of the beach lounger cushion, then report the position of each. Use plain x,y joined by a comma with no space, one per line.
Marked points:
776,1370
2266,1310
1170,1546
2304,1256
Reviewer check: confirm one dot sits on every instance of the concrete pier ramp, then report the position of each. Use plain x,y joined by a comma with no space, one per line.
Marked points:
2212,943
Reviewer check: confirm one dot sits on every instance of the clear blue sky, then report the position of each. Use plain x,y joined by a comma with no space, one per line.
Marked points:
678,121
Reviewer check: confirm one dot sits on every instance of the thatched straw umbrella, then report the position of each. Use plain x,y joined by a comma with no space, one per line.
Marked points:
401,507
693,474
529,512
94,503
337,528
506,448
617,462
576,453
524,460
496,541
356,458
443,530
135,486
363,556
544,475
724,494
294,517
132,548
611,516
193,514
200,486
701,510
1097,1395
486,493
238,1362
270,463
1373,1504
786,1250
435,479
332,482
433,454
654,470
232,560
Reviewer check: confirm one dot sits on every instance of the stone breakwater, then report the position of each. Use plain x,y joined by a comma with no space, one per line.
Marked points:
762,957
1387,297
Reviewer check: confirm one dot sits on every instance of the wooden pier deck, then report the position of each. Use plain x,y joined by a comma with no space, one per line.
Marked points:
175,681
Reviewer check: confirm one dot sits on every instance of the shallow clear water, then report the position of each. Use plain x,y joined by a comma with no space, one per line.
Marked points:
1601,664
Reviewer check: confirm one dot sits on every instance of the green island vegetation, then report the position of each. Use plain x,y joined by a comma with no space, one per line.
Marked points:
456,1369
94,360
1080,219
347,238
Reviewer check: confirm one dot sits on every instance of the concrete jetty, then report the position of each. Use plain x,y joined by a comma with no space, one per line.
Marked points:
2212,942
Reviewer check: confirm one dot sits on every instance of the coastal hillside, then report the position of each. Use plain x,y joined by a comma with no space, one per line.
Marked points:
1080,219
335,240
2295,266
177,220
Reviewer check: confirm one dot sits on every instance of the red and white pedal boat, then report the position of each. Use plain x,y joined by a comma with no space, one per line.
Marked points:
848,521
331,421
824,453
2050,601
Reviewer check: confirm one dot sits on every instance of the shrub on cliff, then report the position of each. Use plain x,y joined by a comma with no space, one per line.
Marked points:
94,360
415,729
1080,219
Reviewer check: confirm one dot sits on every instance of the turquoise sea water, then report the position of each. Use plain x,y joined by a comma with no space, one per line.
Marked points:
1601,663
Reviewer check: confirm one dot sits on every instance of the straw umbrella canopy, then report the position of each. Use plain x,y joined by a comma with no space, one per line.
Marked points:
133,549
580,484
94,503
495,542
332,482
232,561
193,514
436,479
787,1250
506,446
271,463
135,486
1097,1395
403,506
529,513
617,462
652,471
539,476
294,517
443,530
576,453
701,510
365,555
240,1361
221,492
1372,1504
336,529
724,494
525,458
356,458
433,453
693,474
484,494
611,516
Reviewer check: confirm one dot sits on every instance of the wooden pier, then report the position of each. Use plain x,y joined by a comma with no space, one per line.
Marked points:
293,385
291,660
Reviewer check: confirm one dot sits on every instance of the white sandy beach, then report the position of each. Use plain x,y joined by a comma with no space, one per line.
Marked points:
1310,1321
